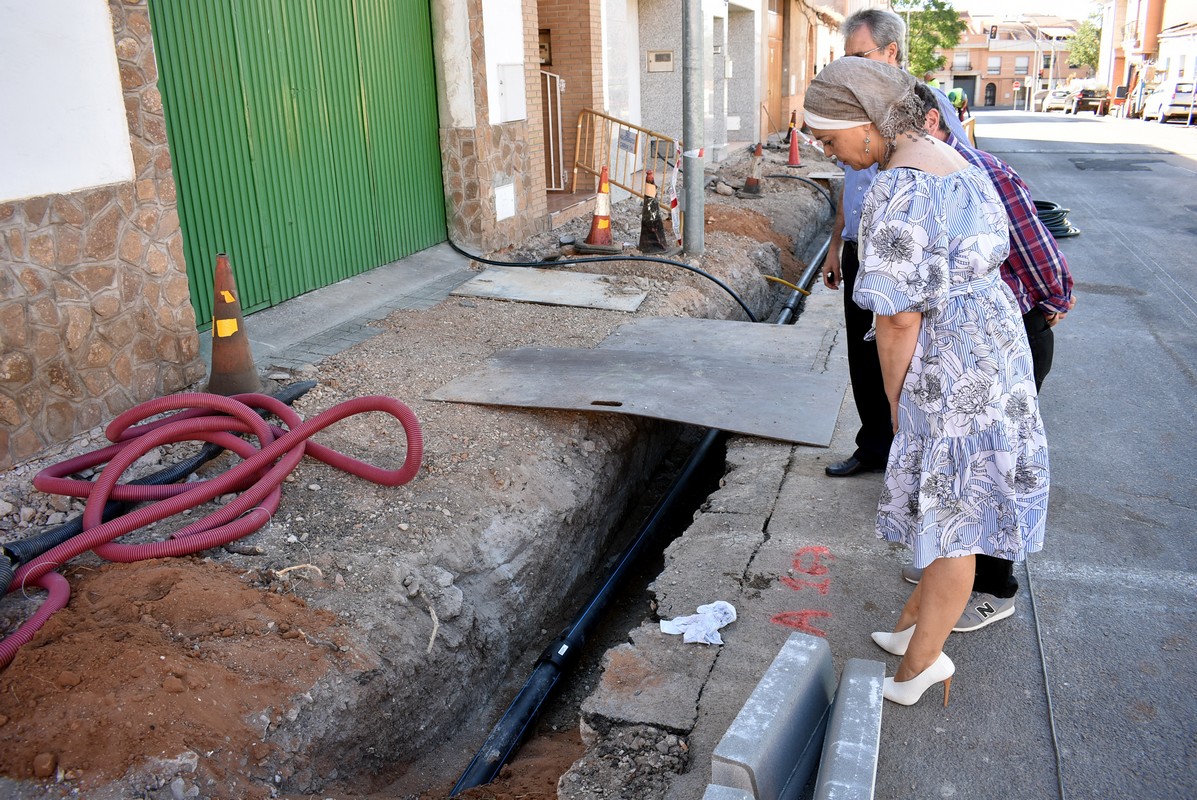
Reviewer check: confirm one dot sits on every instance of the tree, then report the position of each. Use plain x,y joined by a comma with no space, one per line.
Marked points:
1085,44
932,25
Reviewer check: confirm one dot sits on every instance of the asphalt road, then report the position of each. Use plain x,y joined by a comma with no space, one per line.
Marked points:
1115,589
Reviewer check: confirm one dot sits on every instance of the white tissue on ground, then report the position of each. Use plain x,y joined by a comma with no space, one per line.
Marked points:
704,626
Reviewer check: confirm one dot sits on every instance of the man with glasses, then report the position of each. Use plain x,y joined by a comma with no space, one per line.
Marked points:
877,35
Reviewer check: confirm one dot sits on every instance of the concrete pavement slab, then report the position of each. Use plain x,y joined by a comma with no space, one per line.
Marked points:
654,679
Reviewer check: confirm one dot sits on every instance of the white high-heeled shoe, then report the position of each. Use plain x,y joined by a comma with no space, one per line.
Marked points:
907,693
895,643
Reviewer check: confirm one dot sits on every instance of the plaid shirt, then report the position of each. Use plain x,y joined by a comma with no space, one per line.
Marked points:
1035,270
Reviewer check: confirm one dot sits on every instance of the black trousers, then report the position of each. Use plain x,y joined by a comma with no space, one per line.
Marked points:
995,576
876,432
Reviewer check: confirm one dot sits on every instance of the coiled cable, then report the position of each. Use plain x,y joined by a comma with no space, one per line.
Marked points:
1055,219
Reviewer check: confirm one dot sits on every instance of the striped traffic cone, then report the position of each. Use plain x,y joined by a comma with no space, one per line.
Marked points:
599,240
795,155
233,370
752,186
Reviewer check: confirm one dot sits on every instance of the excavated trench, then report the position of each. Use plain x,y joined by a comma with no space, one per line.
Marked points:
380,632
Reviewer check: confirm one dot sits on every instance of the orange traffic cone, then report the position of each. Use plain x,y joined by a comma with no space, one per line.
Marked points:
233,370
652,224
793,124
795,155
752,186
599,240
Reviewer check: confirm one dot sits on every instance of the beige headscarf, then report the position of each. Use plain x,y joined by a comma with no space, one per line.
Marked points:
853,91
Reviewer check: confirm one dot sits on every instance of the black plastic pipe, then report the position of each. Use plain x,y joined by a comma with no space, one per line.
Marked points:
13,555
597,259
562,652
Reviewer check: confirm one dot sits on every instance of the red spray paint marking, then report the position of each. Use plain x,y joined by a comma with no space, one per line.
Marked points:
798,620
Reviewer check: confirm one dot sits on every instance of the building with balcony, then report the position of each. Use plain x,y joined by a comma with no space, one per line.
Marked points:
999,62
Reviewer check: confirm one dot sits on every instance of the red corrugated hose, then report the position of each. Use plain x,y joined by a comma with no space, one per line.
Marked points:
258,479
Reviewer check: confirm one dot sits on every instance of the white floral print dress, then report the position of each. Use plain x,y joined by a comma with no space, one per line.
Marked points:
968,470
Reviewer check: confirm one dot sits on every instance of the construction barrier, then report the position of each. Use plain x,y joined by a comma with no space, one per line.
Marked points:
625,150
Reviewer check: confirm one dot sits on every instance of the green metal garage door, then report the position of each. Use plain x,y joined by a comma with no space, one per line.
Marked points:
303,135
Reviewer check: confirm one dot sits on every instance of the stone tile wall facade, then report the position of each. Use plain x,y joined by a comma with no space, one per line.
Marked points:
476,160
95,310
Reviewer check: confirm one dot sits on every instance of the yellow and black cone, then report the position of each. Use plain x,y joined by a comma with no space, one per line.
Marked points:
793,125
233,370
652,225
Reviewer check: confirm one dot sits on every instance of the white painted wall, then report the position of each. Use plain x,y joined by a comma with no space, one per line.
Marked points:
503,21
63,128
621,64
454,76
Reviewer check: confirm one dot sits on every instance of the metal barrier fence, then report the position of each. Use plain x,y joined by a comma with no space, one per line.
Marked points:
626,150
970,127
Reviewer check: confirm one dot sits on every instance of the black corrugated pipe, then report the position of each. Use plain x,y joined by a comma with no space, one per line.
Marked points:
15,554
562,652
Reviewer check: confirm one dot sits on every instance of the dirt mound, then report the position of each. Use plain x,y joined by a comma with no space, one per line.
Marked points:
162,657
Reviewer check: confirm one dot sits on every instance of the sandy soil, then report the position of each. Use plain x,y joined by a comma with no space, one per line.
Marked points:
363,626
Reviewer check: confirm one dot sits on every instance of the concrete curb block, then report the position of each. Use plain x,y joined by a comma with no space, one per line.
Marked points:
725,793
773,744
848,769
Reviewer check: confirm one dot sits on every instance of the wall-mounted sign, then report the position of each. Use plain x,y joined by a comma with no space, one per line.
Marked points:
660,61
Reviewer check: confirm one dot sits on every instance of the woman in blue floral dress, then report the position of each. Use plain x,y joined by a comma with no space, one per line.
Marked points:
968,470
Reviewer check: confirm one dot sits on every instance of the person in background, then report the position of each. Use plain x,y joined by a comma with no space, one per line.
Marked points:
959,102
968,469
878,35
1037,272
930,79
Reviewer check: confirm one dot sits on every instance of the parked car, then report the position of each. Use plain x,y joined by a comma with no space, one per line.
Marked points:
1094,99
1170,99
1056,100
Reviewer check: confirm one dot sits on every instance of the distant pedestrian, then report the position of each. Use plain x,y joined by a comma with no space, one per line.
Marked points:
930,79
968,470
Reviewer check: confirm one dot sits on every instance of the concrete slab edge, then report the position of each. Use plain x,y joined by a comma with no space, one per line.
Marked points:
772,745
848,768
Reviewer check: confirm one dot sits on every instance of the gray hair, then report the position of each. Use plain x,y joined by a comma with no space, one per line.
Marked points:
929,102
886,28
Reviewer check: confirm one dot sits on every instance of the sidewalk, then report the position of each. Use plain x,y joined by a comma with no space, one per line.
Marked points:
331,319
1085,692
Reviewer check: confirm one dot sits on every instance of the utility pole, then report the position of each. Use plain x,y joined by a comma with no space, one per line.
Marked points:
693,175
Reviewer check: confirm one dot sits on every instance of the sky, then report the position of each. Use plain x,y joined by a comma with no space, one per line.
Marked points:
1069,9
